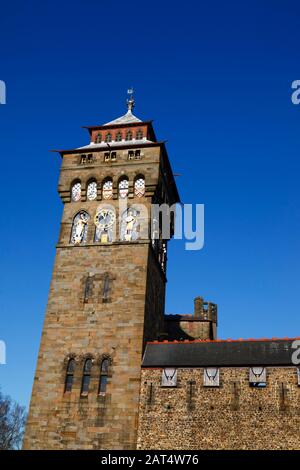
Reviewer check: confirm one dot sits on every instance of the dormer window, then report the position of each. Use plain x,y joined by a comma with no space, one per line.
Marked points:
108,137
128,135
98,138
139,134
118,137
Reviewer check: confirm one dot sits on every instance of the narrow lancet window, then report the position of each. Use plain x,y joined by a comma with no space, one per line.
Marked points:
103,376
86,378
70,375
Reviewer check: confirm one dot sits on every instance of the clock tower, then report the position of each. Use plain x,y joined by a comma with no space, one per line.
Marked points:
107,291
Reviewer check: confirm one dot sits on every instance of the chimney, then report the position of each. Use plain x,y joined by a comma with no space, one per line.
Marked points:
198,307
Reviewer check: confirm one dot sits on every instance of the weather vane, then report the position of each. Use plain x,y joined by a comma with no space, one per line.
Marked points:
130,101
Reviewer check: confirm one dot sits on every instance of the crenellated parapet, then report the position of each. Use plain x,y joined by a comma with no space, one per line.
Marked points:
201,325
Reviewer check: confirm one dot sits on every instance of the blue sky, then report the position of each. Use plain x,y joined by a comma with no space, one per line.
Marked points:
216,78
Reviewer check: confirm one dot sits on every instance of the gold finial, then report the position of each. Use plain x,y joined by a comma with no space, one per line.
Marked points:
130,101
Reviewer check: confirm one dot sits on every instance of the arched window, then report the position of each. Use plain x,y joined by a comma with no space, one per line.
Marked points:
80,228
103,376
139,186
128,135
91,192
76,191
130,225
118,137
107,190
70,375
108,137
123,188
98,139
86,377
139,134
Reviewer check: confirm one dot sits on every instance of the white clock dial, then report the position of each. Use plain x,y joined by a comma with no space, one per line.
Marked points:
105,218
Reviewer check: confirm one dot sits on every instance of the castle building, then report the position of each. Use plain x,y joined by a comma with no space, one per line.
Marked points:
114,371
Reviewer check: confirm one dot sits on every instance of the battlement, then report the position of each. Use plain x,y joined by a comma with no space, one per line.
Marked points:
205,310
200,325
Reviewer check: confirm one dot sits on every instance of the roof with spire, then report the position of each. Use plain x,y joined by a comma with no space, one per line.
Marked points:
121,131
127,118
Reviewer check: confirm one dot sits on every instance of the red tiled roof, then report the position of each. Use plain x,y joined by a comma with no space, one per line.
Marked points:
228,340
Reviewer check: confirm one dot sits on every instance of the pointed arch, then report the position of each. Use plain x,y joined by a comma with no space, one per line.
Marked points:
80,228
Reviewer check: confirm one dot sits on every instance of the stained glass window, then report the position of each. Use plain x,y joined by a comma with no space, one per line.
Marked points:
91,192
76,191
139,187
70,375
103,376
86,378
80,228
123,188
107,191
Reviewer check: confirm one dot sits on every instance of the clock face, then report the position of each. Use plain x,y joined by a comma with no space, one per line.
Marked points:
105,218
